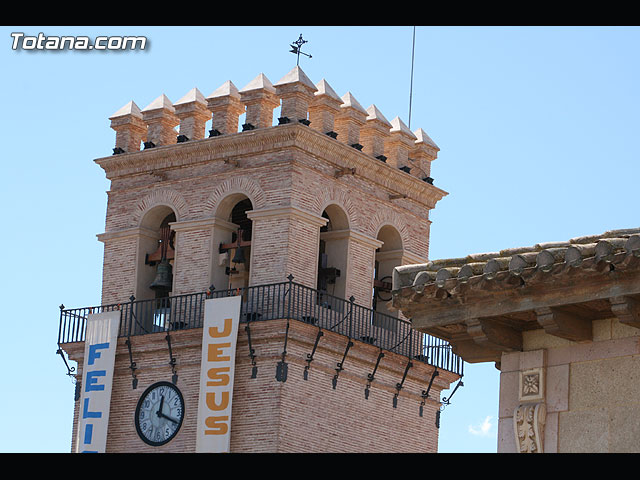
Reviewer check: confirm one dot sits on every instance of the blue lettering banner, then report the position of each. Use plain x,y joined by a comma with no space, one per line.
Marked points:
97,377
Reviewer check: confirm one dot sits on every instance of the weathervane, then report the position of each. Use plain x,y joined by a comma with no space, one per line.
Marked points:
295,48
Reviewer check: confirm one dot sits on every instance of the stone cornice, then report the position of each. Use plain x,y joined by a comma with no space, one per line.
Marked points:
127,233
289,211
266,140
203,223
482,305
352,235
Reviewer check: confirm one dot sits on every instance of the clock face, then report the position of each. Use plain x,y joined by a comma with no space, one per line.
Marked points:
159,413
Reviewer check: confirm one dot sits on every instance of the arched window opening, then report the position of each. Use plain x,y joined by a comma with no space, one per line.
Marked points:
155,270
234,239
157,254
332,256
388,256
162,259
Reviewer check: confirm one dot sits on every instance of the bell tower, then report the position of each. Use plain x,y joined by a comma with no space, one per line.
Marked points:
295,203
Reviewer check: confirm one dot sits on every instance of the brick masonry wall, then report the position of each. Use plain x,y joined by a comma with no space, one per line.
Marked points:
284,177
282,417
291,174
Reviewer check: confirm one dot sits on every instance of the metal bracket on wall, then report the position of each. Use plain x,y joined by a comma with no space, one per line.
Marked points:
254,367
305,374
340,365
172,361
446,401
400,385
371,376
425,393
132,365
282,368
70,370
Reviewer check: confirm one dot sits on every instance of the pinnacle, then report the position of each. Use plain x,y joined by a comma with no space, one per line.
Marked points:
161,102
227,89
259,83
129,109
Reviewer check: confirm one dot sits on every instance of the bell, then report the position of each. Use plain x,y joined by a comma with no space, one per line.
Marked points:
239,256
164,278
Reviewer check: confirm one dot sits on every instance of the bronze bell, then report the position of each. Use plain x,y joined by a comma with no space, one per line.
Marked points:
164,278
239,256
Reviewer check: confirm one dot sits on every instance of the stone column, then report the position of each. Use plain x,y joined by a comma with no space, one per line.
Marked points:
123,272
191,267
361,262
130,128
285,241
193,114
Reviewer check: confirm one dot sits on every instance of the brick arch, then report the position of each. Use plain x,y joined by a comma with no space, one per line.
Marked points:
386,217
337,196
166,197
244,185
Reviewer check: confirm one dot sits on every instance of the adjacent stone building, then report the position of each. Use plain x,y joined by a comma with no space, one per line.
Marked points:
559,320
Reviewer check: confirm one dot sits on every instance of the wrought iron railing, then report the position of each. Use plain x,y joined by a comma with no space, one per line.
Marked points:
288,300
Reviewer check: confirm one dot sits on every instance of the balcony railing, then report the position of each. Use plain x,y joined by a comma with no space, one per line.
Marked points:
286,300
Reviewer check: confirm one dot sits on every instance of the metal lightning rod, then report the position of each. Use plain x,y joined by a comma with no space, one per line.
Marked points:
413,48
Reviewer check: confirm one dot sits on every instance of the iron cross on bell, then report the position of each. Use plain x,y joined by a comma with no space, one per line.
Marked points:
295,48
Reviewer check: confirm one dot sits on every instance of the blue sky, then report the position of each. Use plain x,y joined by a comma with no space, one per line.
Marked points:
537,128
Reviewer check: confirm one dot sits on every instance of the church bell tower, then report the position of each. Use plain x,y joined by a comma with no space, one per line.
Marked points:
249,245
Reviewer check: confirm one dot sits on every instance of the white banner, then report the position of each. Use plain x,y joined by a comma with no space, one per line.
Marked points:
97,377
219,336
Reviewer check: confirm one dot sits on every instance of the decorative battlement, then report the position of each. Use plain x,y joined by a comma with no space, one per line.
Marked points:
300,100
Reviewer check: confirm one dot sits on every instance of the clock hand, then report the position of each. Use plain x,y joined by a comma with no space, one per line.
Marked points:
159,412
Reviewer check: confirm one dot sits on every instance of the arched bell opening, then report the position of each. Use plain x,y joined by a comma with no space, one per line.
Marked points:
155,270
232,236
388,256
332,256
157,254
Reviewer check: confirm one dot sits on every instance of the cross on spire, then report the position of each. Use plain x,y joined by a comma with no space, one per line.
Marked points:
296,46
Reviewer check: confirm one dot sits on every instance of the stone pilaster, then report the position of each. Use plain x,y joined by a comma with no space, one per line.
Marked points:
285,241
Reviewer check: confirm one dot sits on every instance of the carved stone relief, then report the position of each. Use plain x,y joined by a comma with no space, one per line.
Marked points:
531,387
529,418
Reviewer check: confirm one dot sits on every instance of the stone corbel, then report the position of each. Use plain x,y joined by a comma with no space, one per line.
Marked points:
564,325
627,310
529,420
492,334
